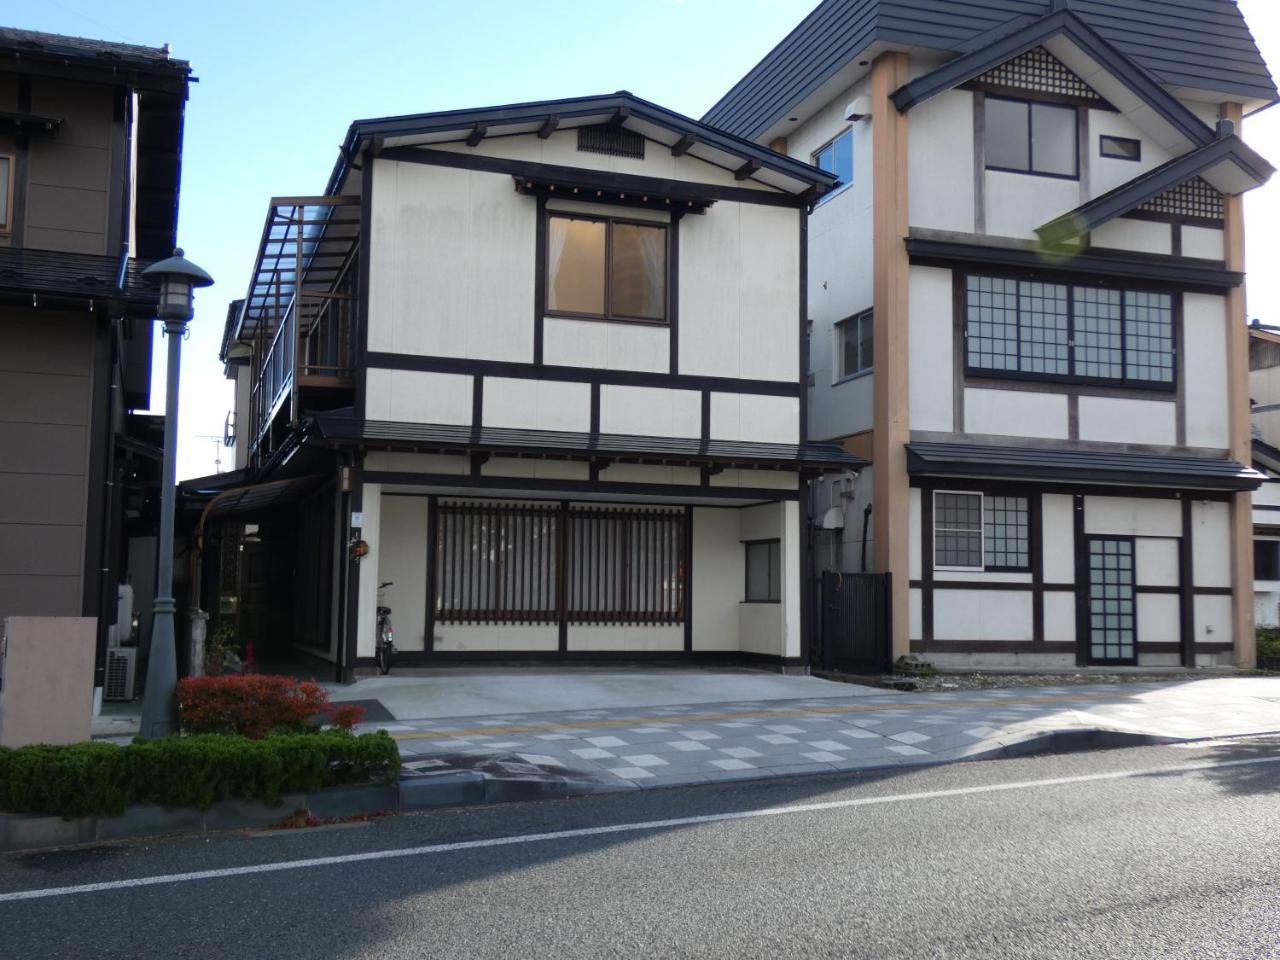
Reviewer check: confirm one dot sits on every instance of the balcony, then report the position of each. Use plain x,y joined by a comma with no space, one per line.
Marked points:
300,316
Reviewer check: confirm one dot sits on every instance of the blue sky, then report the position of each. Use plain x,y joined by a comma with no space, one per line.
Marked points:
280,80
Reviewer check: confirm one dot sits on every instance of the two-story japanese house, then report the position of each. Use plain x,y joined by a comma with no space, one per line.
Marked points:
1027,299
546,361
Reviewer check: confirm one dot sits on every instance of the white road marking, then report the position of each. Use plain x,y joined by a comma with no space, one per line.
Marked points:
638,827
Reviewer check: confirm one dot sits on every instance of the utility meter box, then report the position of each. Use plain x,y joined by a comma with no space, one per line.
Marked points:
46,679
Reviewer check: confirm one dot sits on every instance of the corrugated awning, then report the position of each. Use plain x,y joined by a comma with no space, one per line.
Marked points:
565,445
944,460
254,499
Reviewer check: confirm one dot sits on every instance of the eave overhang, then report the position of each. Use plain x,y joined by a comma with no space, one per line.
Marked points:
1227,163
56,277
1070,466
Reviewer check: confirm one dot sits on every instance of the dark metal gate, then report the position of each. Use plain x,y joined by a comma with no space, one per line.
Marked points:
853,623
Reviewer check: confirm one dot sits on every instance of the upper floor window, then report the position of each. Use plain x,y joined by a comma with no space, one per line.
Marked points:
855,339
608,269
1119,148
837,158
1025,136
1043,330
6,193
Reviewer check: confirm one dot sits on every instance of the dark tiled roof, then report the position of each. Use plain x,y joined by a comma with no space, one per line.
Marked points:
79,275
571,445
1202,44
85,50
1079,466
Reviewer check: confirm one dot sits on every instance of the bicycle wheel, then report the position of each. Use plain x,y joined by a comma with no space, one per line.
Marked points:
384,648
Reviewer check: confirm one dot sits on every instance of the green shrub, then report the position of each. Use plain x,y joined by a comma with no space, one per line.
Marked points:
81,779
1269,643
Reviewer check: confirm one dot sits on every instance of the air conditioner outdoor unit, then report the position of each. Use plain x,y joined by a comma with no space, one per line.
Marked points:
122,673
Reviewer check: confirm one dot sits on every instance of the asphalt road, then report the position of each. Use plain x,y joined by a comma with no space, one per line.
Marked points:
1152,852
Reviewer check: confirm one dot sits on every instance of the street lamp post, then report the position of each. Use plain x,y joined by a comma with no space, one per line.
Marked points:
177,278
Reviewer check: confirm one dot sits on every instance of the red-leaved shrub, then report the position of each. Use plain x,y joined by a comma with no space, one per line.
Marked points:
255,705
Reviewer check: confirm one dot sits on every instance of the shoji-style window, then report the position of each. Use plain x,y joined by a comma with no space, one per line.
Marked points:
1036,330
499,563
977,531
606,269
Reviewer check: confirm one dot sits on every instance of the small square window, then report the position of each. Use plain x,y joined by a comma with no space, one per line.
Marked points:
856,344
764,571
1120,148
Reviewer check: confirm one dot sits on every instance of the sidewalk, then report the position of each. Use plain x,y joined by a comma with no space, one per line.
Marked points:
599,750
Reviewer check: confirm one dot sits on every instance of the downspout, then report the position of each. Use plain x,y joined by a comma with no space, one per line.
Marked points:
866,523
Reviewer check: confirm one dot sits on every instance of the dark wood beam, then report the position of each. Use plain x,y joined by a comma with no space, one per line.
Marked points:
476,135
681,146
746,170
548,127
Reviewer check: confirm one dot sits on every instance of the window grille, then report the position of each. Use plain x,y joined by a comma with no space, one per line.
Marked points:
613,141
1007,525
1040,71
957,530
625,566
1194,198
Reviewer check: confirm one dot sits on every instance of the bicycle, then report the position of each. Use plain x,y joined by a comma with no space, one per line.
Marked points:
385,646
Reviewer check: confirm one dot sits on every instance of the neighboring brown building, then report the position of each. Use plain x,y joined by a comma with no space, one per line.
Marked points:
90,161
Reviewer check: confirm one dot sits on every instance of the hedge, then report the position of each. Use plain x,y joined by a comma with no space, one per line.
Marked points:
83,779
255,705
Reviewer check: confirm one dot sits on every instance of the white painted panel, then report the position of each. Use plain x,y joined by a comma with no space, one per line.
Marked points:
1018,203
1059,538
1059,617
915,610
467,637
1134,236
915,537
1204,327
963,576
793,590
940,163
769,292
710,252
1158,618
1156,561
650,411
650,473
417,462
537,404
605,345
1107,173
412,396
1213,620
367,623
930,341
1015,414
631,638
841,409
402,559
760,628
1203,242
763,522
1132,517
718,579
540,469
759,479
1211,543
1119,420
982,614
755,418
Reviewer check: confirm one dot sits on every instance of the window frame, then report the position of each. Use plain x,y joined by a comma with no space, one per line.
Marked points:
841,374
983,498
669,276
1072,283
982,531
8,189
773,544
1274,546
853,169
1103,138
1030,102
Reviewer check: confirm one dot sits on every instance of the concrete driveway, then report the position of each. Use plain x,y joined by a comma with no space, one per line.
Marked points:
478,692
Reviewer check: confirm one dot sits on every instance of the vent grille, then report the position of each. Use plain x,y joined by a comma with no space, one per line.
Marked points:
1195,198
1041,71
613,141
119,680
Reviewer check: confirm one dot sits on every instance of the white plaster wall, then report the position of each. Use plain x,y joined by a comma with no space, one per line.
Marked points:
402,559
1213,620
367,593
1267,495
1132,517
539,469
605,345
718,579
755,418
1210,544
1158,618
1122,420
1107,173
1059,538
840,409
415,396
1059,617
650,411
739,292
1015,413
940,163
915,613
982,614
760,628
439,237
417,462
757,479
1135,236
1203,242
537,404
1204,356
460,637
656,639
931,343
650,473
1156,561
1017,203
762,522
915,534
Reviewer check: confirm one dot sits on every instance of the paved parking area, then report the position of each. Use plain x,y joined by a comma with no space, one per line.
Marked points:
625,747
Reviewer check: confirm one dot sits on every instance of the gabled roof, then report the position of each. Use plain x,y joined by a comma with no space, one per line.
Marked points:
1186,45
654,122
1228,164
